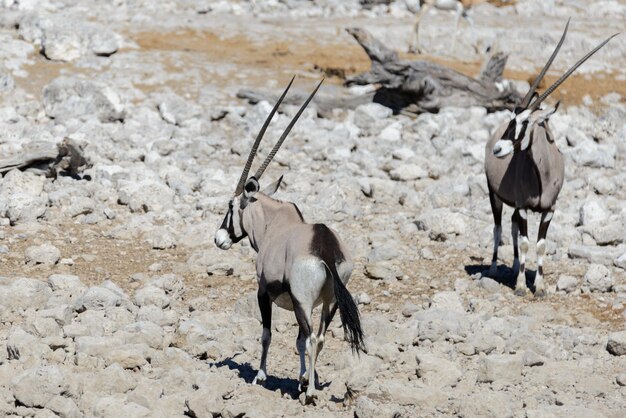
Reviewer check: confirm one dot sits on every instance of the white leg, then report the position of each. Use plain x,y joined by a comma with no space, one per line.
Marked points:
520,285
304,376
311,349
261,375
497,237
540,289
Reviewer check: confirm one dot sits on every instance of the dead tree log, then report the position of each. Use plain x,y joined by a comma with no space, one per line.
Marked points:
48,159
424,86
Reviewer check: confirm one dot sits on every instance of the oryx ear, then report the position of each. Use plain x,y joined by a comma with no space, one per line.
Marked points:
272,188
251,187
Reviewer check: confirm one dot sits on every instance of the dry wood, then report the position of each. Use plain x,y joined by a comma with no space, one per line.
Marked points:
424,86
47,159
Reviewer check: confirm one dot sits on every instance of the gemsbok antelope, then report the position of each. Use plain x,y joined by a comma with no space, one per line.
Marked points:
525,170
298,266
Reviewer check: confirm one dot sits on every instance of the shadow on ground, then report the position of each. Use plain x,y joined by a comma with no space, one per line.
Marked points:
505,275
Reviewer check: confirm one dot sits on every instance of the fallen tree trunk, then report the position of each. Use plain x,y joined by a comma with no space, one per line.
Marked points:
424,86
49,159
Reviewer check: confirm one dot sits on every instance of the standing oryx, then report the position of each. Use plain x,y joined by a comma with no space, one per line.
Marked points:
525,170
298,266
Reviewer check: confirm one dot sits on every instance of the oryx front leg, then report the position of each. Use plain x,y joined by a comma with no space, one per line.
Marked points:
265,305
520,285
496,210
540,287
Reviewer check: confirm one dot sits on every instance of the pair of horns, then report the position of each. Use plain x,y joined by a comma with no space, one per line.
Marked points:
531,92
257,141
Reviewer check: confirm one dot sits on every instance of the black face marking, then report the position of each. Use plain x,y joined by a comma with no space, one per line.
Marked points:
325,245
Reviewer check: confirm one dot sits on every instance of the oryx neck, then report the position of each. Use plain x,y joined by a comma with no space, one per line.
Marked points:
266,215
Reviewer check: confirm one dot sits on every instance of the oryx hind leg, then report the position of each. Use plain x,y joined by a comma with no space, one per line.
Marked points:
328,312
265,305
520,285
307,345
496,210
540,287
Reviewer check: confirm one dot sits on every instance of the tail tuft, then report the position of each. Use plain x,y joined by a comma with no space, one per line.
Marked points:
349,313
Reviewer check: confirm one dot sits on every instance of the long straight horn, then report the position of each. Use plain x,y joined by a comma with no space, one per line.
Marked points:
255,147
263,166
533,88
569,72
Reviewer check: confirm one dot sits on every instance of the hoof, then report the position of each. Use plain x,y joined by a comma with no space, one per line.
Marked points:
306,399
521,291
540,294
303,384
260,378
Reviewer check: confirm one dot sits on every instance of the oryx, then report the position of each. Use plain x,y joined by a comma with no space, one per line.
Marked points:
525,170
298,266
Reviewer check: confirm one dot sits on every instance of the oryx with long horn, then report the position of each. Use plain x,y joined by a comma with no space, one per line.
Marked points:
525,170
299,265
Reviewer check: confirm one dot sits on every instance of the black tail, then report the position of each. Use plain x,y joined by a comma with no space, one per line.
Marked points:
349,313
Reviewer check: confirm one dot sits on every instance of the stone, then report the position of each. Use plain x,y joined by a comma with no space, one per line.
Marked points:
22,198
408,172
145,195
616,344
152,295
621,379
64,407
592,211
567,283
65,283
98,298
441,224
68,97
505,369
160,239
447,300
36,387
46,254
598,278
437,371
380,271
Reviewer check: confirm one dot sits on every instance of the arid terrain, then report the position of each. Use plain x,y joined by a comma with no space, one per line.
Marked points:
114,300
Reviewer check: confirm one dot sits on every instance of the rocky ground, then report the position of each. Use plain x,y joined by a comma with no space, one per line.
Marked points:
114,300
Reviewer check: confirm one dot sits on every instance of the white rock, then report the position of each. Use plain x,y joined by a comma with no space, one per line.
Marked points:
437,371
22,198
152,295
42,254
408,172
616,344
598,278
36,387
592,211
66,98
505,369
567,283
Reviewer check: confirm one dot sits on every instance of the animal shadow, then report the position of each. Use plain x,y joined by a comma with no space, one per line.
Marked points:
248,373
505,275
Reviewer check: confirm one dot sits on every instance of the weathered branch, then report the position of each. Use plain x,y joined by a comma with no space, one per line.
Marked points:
423,86
48,159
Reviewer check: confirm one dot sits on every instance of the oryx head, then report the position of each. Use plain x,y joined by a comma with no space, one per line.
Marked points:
231,230
525,117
